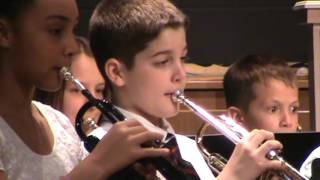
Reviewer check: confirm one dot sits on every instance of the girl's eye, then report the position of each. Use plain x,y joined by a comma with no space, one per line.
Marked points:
56,31
58,28
99,92
74,90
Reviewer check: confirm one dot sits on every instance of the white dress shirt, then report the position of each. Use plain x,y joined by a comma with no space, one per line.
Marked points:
188,148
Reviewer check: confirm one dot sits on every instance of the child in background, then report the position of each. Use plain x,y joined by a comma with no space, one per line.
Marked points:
36,141
262,93
140,47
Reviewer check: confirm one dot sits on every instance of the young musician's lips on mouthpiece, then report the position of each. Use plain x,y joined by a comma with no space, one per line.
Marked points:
169,95
58,69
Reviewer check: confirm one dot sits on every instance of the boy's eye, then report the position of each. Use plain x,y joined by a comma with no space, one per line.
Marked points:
273,109
294,109
162,63
185,58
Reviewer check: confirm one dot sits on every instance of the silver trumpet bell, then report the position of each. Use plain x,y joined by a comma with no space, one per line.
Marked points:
234,132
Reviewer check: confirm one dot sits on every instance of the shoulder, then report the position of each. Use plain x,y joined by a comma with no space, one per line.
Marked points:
52,114
64,131
44,108
56,119
6,133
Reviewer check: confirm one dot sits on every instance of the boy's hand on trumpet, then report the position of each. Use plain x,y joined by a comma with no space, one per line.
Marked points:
249,160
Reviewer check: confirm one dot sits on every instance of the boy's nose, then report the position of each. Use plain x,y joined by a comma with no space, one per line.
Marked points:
286,120
180,74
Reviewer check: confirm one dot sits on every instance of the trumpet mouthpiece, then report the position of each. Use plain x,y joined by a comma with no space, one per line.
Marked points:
66,74
178,96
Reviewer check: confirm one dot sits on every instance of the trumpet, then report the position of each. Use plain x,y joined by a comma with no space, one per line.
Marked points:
173,167
234,132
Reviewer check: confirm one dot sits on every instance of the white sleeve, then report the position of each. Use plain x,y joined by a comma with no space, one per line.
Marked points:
190,152
305,168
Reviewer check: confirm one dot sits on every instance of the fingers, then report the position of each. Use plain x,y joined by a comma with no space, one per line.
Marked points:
274,164
149,151
134,134
129,123
155,152
268,146
137,133
262,142
145,136
147,171
257,137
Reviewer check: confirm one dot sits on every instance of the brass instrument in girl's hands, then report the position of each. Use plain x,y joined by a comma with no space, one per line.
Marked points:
173,167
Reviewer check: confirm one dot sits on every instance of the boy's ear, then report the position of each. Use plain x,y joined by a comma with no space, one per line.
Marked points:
114,70
236,114
5,33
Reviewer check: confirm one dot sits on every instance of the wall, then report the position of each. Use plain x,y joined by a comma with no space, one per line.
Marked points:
224,30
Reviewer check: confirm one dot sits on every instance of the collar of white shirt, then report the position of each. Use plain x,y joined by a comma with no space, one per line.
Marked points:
165,125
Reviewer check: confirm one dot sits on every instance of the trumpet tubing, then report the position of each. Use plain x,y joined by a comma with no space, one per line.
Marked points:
173,167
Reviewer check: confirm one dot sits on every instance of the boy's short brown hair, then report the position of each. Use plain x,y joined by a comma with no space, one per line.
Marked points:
122,28
243,74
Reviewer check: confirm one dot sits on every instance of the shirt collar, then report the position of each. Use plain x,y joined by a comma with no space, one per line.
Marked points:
165,125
